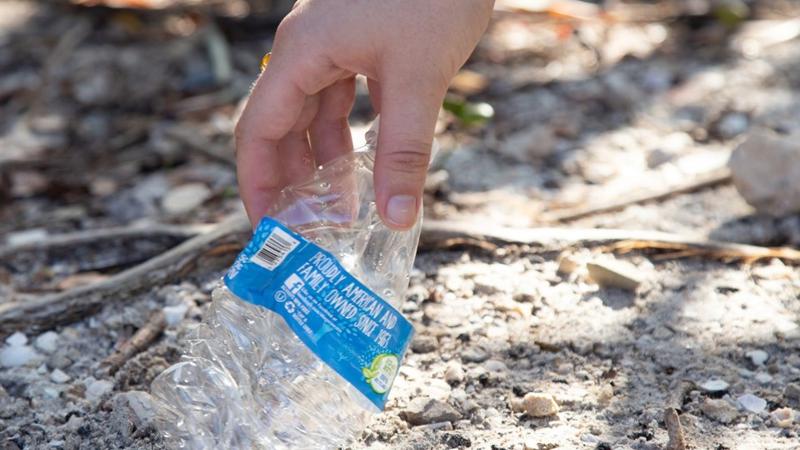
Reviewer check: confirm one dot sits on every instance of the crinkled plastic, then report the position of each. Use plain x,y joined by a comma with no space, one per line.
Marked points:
246,381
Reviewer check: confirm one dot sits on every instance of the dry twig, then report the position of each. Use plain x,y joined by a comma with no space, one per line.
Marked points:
48,311
677,441
105,236
434,233
710,179
140,340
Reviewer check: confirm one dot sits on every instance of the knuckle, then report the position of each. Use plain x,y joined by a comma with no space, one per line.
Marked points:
409,157
289,26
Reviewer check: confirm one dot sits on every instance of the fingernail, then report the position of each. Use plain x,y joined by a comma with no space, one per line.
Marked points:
402,210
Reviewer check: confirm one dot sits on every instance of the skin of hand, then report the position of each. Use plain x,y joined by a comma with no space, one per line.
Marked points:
296,115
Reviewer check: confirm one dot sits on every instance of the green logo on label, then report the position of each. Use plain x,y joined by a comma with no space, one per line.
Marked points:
380,374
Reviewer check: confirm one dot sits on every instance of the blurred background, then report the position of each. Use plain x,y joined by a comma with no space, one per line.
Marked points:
573,114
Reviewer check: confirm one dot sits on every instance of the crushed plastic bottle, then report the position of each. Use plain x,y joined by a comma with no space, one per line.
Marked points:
247,381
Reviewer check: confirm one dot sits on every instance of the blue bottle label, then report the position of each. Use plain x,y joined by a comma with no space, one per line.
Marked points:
354,331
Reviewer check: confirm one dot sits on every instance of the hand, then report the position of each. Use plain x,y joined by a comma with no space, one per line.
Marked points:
296,116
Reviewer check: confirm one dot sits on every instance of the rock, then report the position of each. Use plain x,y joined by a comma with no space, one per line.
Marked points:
567,264
47,342
422,410
752,403
530,144
17,340
715,385
59,361
783,417
139,402
474,355
184,198
614,273
590,438
792,391
424,344
15,356
58,376
454,374
455,440
759,357
96,389
539,404
658,157
732,125
605,394
763,378
766,170
719,410
517,404
494,365
174,314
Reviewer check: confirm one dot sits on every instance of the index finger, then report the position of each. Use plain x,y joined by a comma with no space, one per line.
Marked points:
272,109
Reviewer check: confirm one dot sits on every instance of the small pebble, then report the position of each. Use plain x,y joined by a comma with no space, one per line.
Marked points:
454,374
58,376
758,357
783,417
539,404
719,410
494,365
15,356
173,315
733,124
517,404
715,385
752,403
763,378
47,342
567,264
658,157
424,344
474,354
422,411
185,198
590,439
17,340
792,391
615,274
96,389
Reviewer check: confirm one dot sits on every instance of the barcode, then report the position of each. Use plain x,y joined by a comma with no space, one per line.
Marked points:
275,248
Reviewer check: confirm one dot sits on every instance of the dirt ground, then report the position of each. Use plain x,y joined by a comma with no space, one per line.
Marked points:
116,117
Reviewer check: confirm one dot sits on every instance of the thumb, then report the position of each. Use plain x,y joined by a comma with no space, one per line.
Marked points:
409,110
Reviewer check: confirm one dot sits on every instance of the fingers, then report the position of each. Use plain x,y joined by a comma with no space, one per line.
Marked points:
294,149
330,131
374,89
273,110
409,108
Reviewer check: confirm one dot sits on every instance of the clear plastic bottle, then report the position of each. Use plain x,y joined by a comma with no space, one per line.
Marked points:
246,381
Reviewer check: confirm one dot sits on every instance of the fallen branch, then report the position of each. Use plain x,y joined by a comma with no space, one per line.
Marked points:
703,181
140,340
435,233
103,237
48,311
676,441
